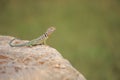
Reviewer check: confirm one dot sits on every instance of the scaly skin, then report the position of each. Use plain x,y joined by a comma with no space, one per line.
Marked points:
38,41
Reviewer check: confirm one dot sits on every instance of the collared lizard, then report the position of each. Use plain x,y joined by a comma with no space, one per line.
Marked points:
38,41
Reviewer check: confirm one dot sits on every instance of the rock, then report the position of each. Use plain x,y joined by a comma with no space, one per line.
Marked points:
39,62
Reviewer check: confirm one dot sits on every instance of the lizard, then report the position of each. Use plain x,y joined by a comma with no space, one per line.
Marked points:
38,41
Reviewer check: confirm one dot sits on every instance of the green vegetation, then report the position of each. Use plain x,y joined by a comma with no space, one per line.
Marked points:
88,32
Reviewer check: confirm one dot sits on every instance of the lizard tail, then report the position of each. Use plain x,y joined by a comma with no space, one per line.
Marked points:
17,45
10,43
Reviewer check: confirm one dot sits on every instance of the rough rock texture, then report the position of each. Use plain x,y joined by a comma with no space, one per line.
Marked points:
34,63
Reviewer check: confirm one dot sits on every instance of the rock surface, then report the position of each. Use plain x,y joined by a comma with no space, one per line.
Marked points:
34,63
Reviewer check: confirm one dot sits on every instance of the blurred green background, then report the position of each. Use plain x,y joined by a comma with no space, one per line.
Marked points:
88,31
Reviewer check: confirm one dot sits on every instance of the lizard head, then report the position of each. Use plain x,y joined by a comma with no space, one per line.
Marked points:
50,30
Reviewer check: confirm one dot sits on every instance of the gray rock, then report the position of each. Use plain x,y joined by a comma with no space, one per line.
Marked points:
34,63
